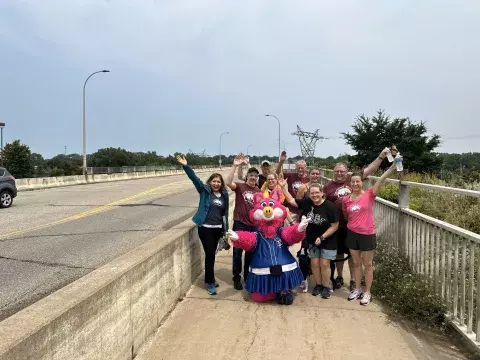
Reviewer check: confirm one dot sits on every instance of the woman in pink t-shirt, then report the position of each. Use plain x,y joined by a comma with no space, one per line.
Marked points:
361,234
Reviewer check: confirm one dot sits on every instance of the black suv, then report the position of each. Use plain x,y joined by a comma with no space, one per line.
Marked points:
8,189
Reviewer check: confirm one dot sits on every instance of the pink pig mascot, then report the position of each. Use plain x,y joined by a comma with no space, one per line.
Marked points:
273,269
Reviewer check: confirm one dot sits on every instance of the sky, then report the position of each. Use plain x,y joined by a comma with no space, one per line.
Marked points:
185,71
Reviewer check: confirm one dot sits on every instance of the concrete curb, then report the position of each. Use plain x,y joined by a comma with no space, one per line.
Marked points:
28,184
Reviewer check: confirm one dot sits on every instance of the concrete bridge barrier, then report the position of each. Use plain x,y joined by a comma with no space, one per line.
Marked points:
110,312
58,181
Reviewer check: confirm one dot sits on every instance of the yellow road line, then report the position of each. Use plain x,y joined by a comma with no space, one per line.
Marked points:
94,211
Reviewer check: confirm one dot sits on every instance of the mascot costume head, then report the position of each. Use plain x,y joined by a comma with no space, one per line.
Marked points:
273,269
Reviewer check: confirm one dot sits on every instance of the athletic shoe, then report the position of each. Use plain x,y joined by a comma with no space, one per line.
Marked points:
317,290
211,289
354,295
326,293
338,283
237,284
366,299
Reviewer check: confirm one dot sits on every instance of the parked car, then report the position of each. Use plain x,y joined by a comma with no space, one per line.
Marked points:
8,189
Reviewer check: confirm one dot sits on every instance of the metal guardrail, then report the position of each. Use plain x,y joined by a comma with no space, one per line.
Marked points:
447,255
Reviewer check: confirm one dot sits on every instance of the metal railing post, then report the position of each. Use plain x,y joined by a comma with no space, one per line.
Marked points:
403,203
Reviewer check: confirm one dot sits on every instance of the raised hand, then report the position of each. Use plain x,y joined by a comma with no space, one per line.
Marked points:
181,160
283,156
385,152
282,182
232,235
303,223
239,159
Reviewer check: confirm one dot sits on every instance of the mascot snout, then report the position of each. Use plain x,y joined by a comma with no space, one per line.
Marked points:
268,211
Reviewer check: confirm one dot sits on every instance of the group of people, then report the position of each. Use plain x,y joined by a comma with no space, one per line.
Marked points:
340,213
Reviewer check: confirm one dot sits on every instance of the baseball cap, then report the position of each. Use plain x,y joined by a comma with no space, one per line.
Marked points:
266,162
253,169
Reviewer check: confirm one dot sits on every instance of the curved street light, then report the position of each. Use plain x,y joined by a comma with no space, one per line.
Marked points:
278,133
84,123
220,154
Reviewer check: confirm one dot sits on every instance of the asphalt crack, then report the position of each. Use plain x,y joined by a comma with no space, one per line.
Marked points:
257,329
51,264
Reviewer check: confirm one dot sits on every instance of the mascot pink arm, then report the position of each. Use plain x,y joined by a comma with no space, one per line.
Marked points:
246,240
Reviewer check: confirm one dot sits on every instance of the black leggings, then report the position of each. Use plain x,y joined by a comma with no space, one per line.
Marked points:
209,238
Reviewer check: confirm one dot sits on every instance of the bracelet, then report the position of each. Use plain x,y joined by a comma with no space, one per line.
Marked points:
381,158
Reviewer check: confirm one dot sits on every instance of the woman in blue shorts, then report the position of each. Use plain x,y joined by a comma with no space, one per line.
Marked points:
321,234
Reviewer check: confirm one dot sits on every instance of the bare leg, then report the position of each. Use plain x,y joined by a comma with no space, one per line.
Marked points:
357,266
367,259
317,275
325,272
339,265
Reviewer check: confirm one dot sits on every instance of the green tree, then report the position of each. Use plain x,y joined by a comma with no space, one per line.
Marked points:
114,157
371,135
18,160
61,165
39,165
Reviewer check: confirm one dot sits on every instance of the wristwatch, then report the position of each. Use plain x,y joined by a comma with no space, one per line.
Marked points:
321,238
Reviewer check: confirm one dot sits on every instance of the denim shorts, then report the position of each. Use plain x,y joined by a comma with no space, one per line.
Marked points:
315,252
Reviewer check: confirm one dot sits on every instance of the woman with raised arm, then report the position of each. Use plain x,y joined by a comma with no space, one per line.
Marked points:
321,236
361,233
303,190
211,217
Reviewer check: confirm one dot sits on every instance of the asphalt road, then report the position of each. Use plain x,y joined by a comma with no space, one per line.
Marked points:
49,238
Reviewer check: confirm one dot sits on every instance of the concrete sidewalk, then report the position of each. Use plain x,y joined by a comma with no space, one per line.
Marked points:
229,326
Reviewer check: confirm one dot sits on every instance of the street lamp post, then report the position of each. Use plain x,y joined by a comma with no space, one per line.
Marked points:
2,125
248,147
278,134
220,154
84,124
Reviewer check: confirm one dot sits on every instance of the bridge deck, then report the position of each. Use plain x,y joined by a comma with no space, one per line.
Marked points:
226,326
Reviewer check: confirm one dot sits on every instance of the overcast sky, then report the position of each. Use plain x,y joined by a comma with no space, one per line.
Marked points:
184,71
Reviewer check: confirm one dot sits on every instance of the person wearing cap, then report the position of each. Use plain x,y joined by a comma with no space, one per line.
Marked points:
266,168
244,202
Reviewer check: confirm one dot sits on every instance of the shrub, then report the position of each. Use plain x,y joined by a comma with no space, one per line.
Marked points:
459,210
407,293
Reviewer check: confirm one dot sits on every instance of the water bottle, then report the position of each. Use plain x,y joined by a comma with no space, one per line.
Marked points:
389,155
398,162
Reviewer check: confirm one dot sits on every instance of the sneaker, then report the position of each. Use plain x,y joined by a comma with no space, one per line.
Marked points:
354,295
352,285
237,284
211,289
304,286
338,282
216,284
326,292
366,299
317,290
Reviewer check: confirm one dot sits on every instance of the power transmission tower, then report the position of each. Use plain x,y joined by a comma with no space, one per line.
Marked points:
202,154
308,141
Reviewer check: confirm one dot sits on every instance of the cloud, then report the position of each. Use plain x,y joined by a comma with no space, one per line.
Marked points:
313,63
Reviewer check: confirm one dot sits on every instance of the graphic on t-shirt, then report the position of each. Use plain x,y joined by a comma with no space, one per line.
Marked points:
296,185
343,191
248,197
355,208
217,202
315,218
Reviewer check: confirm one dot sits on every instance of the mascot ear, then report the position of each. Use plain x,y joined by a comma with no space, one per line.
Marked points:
257,197
275,194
